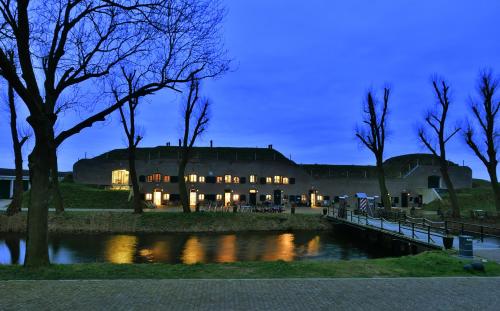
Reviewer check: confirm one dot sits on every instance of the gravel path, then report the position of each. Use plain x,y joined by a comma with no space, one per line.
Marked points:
287,294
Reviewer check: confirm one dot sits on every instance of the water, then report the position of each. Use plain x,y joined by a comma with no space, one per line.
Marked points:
190,248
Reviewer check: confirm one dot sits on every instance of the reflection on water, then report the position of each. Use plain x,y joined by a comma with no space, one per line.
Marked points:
226,251
193,251
121,249
189,248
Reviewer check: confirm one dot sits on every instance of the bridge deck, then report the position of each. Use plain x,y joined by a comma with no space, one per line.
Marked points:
432,237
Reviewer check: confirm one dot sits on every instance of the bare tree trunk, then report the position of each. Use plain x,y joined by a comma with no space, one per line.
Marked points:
495,187
183,193
17,198
57,200
455,208
136,200
37,253
384,193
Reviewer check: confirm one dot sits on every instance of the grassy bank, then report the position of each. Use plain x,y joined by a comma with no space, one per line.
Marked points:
422,265
82,196
109,222
479,197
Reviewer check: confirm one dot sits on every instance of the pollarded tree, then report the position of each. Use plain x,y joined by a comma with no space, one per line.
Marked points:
63,46
436,140
196,118
485,110
18,141
373,134
128,119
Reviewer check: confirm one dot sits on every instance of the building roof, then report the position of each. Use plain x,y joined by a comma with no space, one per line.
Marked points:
394,167
200,153
12,172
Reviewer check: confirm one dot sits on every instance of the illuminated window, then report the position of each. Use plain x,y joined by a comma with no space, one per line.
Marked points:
166,178
320,198
201,179
149,196
227,179
185,178
149,178
166,197
253,179
193,178
156,177
119,179
285,181
303,198
219,179
268,197
201,197
236,180
236,197
219,197
277,179
269,180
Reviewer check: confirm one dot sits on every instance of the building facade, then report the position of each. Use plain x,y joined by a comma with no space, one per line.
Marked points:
263,176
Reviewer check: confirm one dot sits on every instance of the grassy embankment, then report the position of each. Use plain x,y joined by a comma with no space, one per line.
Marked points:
479,197
112,222
423,265
82,196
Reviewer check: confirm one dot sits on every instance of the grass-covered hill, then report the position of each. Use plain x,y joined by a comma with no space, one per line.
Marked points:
82,196
479,197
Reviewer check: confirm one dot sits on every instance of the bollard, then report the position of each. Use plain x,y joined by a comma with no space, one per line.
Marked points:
399,226
412,230
482,234
381,223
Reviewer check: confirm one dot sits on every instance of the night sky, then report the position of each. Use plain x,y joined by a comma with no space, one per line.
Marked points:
300,72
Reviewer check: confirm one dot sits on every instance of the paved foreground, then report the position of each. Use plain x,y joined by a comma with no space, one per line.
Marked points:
287,294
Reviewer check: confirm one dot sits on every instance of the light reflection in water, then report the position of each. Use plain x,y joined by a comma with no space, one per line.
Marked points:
313,246
226,251
121,249
280,248
193,251
190,248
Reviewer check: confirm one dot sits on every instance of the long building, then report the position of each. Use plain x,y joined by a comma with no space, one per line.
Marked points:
264,175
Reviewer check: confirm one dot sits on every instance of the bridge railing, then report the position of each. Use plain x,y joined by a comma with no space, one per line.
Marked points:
419,232
423,225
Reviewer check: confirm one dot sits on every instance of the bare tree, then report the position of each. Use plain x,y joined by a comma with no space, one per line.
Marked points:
128,120
18,140
485,114
372,134
436,140
65,45
196,118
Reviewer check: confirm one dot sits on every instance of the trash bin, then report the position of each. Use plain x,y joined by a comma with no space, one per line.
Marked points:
465,246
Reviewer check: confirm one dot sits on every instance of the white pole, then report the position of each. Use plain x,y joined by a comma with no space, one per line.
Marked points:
11,188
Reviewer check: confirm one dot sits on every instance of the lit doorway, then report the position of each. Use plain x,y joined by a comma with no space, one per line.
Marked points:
192,199
227,198
157,197
312,197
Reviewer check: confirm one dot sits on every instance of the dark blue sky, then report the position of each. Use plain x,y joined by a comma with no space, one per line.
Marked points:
301,69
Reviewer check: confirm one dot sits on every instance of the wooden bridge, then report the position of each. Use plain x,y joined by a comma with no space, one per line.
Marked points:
420,231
